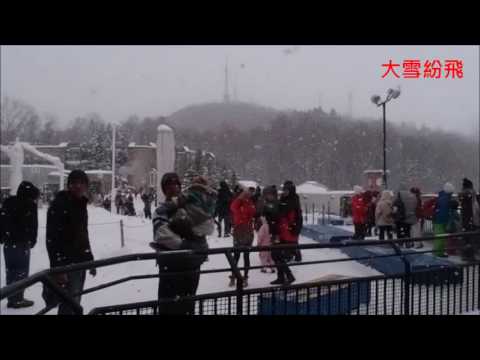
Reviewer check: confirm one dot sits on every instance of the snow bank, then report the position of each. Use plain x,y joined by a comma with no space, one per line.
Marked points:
104,230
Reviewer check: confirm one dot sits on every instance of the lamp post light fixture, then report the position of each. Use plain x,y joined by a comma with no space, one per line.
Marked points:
377,100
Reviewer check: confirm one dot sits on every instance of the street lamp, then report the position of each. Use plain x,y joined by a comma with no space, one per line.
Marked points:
391,94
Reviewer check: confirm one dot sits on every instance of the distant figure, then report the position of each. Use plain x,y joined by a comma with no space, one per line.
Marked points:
222,211
470,206
19,228
359,213
383,216
129,205
440,219
119,202
405,206
418,226
147,202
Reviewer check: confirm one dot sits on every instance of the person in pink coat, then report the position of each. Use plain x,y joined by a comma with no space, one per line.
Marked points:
265,239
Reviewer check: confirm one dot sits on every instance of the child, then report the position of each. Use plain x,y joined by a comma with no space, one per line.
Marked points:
197,205
264,239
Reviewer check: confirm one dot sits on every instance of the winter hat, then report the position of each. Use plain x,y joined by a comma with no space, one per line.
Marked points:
77,175
168,179
467,184
357,189
290,186
26,190
270,190
448,188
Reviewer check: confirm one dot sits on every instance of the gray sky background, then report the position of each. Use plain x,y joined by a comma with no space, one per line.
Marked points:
118,81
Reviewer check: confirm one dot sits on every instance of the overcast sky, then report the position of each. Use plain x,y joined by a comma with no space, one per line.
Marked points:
118,81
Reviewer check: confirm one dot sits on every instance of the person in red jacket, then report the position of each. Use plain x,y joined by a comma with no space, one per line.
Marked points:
359,213
243,213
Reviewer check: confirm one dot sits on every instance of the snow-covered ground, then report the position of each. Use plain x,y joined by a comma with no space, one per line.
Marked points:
104,230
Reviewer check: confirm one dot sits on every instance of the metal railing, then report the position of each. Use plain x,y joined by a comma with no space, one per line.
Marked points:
405,293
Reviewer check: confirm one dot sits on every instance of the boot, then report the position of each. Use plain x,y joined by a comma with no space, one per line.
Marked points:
20,304
278,281
290,279
245,281
232,282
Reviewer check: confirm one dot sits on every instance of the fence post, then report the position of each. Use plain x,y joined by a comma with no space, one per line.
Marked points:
408,278
313,213
122,238
323,214
328,213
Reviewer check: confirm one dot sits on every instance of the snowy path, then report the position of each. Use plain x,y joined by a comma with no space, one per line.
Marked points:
104,232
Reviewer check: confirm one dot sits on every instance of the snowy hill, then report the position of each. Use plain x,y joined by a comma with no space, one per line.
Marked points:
211,116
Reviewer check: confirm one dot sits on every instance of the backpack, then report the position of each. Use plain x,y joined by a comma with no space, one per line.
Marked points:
453,225
399,213
428,209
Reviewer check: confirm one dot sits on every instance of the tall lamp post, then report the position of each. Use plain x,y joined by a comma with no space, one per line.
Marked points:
391,94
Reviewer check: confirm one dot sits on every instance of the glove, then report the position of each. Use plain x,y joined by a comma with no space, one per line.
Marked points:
93,272
61,279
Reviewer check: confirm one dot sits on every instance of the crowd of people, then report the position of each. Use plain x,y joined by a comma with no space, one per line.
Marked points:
186,218
189,214
403,213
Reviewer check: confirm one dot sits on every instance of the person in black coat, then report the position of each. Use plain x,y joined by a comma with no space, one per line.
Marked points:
19,228
147,201
224,200
470,218
67,238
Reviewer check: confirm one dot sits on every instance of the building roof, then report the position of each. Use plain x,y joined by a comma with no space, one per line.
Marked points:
311,187
99,172
61,145
248,183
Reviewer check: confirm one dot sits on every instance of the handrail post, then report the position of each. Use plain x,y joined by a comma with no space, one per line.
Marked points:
238,276
122,238
407,278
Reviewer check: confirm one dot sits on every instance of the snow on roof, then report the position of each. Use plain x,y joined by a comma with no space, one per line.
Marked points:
56,173
248,183
164,128
33,166
153,144
341,192
375,171
134,145
311,187
61,145
98,172
187,149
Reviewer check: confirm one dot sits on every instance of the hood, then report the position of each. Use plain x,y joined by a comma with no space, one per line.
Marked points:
224,185
467,184
290,186
26,190
357,189
386,196
448,188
